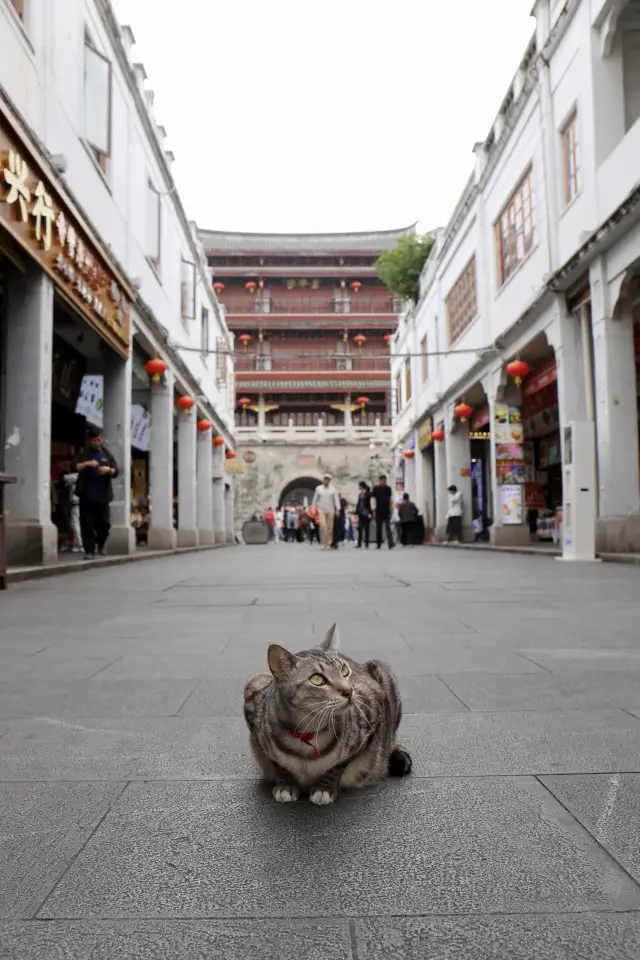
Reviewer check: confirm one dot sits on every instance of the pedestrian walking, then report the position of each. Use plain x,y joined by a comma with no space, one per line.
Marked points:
96,468
381,497
454,515
326,499
363,513
291,525
270,520
408,517
339,524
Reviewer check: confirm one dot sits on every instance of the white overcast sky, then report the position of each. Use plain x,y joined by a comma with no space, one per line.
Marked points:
314,115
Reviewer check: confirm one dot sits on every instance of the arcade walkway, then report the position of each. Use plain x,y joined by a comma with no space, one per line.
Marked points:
133,823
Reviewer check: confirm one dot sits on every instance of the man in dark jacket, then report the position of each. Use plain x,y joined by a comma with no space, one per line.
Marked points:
95,468
382,496
408,513
363,513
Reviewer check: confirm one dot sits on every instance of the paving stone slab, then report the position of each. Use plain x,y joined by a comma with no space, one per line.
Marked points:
42,827
597,659
41,667
94,698
228,850
586,937
172,940
609,807
185,667
159,748
546,691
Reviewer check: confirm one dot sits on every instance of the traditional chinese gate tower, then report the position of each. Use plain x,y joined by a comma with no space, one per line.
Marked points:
312,323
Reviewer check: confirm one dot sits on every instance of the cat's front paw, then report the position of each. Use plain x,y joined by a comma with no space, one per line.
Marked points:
321,798
286,793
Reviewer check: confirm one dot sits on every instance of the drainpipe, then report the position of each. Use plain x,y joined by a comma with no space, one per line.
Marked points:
587,359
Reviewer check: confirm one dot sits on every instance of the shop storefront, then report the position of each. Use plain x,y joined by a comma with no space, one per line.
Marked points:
425,451
480,440
542,453
66,316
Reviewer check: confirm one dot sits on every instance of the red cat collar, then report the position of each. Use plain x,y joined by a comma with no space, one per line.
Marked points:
306,738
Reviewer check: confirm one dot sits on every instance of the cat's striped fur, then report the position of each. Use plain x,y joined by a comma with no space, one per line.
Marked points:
320,739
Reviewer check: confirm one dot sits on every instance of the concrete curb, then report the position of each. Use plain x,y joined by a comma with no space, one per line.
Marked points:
22,574
631,559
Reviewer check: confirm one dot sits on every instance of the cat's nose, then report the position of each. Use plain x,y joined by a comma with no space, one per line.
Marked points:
347,693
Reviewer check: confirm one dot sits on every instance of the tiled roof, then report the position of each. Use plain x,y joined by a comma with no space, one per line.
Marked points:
218,241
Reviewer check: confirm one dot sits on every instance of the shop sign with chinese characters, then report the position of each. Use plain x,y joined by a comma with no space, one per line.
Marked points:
42,223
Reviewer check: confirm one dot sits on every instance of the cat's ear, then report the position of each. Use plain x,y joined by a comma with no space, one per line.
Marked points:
280,661
331,641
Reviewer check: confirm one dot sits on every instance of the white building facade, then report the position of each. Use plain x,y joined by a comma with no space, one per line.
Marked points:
540,263
101,273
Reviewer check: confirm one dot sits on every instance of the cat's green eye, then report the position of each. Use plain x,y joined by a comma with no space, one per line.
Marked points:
344,670
317,680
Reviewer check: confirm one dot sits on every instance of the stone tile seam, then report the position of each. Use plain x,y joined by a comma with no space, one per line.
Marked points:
353,936
534,662
106,667
73,859
629,714
161,918
437,712
177,713
577,820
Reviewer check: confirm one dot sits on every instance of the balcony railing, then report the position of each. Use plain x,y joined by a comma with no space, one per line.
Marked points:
299,305
314,434
317,364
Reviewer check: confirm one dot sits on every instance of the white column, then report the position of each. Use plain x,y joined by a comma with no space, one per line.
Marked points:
427,488
347,411
117,439
31,538
218,495
262,417
161,531
459,469
187,523
441,499
229,511
204,491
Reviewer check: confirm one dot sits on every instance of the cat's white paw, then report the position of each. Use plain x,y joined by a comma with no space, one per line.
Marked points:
321,798
286,794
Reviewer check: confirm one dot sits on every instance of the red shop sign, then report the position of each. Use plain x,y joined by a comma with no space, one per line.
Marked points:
541,378
480,418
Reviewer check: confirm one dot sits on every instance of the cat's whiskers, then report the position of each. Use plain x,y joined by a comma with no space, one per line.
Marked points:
365,718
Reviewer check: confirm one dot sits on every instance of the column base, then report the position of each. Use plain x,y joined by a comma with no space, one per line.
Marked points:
231,538
187,537
162,538
510,536
122,540
618,534
31,544
205,538
220,536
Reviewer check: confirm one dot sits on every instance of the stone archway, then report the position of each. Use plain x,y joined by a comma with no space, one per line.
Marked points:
295,492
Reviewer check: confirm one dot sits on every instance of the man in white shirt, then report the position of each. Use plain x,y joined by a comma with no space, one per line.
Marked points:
327,501
454,515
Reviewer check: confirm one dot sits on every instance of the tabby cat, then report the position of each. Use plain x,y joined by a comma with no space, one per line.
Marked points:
320,722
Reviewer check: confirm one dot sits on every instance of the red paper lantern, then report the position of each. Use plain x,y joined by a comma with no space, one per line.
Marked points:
518,369
244,402
363,401
155,369
387,339
218,441
250,285
218,286
438,436
185,403
463,411
245,339
359,339
230,455
409,454
204,425
356,285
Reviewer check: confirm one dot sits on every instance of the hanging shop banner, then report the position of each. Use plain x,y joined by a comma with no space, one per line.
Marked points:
234,466
480,419
91,400
509,437
541,378
43,221
425,431
140,427
67,373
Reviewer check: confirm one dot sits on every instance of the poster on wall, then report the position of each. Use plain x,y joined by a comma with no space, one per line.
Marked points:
509,444
91,400
140,427
511,497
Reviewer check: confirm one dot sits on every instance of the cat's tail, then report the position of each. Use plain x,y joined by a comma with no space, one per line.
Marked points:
400,763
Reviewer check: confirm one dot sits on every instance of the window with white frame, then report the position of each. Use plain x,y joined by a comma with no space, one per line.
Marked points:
462,302
153,224
424,360
97,102
514,229
570,158
204,333
188,289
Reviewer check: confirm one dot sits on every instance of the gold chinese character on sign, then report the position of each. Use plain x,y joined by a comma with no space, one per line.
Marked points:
302,283
16,175
291,284
80,253
61,227
315,284
71,242
45,214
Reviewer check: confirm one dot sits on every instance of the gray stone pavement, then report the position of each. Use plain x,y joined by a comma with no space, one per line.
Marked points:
133,824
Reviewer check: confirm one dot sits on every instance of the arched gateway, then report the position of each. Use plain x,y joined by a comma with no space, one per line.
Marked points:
298,491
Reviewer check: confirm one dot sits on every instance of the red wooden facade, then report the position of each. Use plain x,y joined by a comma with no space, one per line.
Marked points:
309,316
